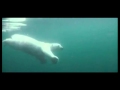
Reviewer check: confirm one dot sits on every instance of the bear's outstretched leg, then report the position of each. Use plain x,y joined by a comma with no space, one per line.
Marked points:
49,53
54,59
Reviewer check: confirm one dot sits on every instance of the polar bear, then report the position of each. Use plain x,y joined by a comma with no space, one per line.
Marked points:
39,49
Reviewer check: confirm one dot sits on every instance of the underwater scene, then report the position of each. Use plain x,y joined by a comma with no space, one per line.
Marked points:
60,45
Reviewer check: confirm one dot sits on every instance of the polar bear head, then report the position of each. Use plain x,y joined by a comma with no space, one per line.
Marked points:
56,46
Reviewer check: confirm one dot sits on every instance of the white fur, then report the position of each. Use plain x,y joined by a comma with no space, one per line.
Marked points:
34,47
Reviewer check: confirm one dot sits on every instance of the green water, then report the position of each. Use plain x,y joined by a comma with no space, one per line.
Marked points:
90,45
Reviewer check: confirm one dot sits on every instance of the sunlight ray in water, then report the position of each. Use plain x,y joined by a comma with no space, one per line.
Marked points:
13,24
15,19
